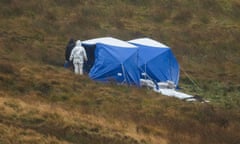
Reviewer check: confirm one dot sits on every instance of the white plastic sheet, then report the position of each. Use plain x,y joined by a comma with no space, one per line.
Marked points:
166,88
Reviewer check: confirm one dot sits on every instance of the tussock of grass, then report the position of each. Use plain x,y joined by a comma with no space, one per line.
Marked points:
57,122
11,134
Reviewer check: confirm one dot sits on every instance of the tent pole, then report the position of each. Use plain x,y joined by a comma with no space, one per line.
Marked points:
145,71
124,75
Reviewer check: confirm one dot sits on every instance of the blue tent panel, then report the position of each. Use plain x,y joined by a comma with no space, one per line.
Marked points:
113,60
156,60
115,64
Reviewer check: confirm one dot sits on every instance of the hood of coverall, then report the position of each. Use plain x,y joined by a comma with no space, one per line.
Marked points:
78,43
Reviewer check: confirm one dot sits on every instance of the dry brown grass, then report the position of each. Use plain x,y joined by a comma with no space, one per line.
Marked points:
43,103
60,105
44,119
11,134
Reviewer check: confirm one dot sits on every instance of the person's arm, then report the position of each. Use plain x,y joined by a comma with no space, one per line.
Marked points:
85,55
72,53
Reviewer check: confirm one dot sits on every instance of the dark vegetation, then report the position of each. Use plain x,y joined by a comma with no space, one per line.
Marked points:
41,102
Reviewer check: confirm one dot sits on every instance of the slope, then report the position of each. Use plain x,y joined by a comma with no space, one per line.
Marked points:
43,103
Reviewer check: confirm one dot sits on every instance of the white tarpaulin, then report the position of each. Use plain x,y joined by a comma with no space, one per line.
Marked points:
167,89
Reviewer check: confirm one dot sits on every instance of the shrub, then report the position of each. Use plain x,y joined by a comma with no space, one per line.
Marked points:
6,68
159,14
236,9
183,16
44,87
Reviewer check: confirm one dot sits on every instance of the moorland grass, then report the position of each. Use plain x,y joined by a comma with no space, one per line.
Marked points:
41,102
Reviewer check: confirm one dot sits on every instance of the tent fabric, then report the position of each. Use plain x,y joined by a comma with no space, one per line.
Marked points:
156,61
113,60
108,41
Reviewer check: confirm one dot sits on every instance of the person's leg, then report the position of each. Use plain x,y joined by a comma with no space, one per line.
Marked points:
81,68
76,68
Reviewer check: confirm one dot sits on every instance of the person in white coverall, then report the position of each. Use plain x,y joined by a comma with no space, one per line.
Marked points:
78,55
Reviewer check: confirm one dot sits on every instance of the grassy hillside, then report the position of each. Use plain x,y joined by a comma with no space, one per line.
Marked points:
41,102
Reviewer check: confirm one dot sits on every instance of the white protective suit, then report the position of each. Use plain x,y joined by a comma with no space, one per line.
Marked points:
78,55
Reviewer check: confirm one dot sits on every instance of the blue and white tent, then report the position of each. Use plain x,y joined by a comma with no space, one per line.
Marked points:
156,61
111,59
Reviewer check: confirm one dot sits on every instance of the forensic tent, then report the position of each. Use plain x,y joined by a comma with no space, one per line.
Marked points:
111,59
156,61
